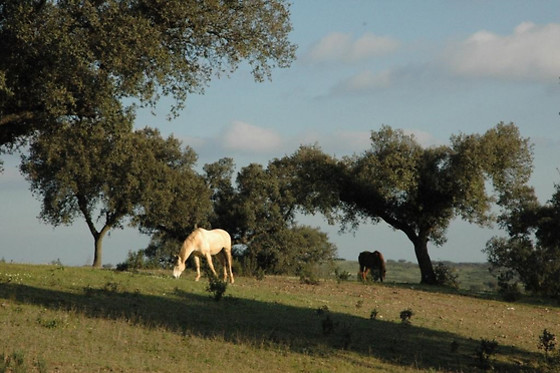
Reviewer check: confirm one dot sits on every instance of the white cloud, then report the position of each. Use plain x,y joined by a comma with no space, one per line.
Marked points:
342,47
530,52
365,81
247,138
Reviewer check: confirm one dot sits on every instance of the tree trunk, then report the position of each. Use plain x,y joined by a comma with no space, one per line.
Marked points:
98,246
428,275
98,251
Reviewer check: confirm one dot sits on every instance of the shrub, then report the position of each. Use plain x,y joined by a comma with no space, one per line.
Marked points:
509,290
341,275
308,275
547,342
484,351
406,315
446,275
216,287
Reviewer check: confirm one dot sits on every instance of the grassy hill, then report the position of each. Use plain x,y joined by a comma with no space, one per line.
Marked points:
55,318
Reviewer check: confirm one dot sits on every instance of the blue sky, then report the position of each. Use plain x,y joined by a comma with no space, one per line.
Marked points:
432,68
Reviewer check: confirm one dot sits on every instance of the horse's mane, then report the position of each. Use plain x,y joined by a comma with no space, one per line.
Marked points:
382,260
189,241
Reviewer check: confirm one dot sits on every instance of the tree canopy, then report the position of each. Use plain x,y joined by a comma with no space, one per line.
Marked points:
107,175
530,254
416,190
80,58
260,214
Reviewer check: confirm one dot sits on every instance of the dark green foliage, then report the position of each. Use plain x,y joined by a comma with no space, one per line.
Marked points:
406,316
547,342
107,174
265,212
531,253
216,286
341,275
415,190
63,59
309,275
134,261
508,289
68,68
446,275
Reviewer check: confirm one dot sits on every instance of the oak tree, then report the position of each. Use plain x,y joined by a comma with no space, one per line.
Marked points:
107,175
82,58
530,254
415,190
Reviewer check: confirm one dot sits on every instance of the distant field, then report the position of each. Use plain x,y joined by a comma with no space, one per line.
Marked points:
55,318
471,276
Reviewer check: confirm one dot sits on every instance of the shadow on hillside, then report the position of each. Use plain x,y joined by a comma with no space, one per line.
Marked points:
262,324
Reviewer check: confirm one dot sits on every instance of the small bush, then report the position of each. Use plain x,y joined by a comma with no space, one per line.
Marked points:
510,292
259,274
134,261
446,275
547,342
341,275
484,351
406,315
308,275
216,287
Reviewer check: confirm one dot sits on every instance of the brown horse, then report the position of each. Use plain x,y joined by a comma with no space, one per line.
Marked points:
374,262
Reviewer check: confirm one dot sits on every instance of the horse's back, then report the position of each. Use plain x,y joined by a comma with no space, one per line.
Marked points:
216,239
365,257
371,259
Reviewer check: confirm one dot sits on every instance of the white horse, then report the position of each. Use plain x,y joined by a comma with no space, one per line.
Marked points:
205,243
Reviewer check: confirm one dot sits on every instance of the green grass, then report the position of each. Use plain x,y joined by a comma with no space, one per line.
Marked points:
55,318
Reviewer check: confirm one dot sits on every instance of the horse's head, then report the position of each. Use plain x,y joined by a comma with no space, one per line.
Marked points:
179,266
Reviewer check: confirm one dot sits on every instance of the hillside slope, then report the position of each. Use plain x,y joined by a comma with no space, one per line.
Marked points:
80,319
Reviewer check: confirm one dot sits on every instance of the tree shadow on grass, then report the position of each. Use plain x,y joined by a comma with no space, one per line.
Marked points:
263,324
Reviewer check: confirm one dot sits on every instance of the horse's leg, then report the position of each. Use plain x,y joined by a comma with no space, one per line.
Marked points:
364,273
229,260
222,258
197,264
211,264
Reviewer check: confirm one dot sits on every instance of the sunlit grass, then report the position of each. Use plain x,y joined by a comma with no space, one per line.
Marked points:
80,319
